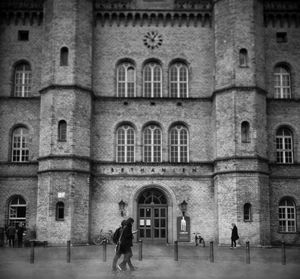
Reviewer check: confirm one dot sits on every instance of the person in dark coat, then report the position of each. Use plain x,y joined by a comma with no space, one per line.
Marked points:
11,232
20,232
234,235
126,244
118,251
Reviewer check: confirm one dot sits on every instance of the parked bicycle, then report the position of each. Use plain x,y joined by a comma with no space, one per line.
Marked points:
103,237
199,239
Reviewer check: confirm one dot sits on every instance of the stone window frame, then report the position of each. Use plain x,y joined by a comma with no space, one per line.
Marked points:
124,145
282,74
287,207
245,132
178,82
22,79
281,141
127,65
152,129
60,208
20,153
16,220
247,212
177,159
64,56
62,130
151,80
243,58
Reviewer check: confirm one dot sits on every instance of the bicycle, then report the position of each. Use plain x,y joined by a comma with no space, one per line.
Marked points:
103,237
199,239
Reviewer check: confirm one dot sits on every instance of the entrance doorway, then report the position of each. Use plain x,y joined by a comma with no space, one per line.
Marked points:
152,216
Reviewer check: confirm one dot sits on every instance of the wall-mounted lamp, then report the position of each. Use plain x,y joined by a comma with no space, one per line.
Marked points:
122,207
183,207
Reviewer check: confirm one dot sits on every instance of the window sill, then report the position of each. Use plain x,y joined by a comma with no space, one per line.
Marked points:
288,232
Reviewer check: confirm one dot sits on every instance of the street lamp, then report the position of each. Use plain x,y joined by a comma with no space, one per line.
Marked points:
183,207
122,207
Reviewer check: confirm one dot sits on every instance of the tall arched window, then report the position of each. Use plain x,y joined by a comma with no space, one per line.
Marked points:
125,144
20,150
179,144
60,211
178,80
284,146
247,212
152,80
126,80
17,210
245,131
62,130
243,57
287,216
282,82
152,144
22,81
64,56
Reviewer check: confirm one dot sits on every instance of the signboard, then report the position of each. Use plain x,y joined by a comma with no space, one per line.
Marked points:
183,229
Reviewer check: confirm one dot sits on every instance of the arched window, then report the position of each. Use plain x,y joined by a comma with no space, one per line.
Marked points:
243,57
247,212
20,150
287,216
152,80
22,82
282,82
17,210
178,144
245,131
62,130
178,80
64,56
152,144
60,211
125,144
126,80
284,146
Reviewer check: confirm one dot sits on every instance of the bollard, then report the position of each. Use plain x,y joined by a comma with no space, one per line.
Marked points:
247,252
31,251
140,250
104,250
68,251
283,256
211,255
175,250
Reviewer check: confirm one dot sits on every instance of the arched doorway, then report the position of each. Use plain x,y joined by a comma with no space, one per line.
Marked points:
152,216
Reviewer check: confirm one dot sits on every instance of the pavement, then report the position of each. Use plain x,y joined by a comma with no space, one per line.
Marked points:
87,262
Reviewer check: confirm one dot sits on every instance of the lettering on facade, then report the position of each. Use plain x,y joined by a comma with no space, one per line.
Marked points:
149,170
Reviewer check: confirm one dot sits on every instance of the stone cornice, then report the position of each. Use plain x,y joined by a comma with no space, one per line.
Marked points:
21,12
153,18
239,89
143,99
229,158
66,87
282,13
64,157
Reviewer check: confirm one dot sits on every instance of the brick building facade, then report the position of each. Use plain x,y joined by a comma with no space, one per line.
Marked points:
111,109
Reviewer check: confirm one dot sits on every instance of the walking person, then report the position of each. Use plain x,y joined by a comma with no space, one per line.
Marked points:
126,244
117,240
11,232
234,235
20,232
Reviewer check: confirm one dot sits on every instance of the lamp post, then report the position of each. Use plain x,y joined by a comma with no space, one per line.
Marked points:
122,207
183,207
